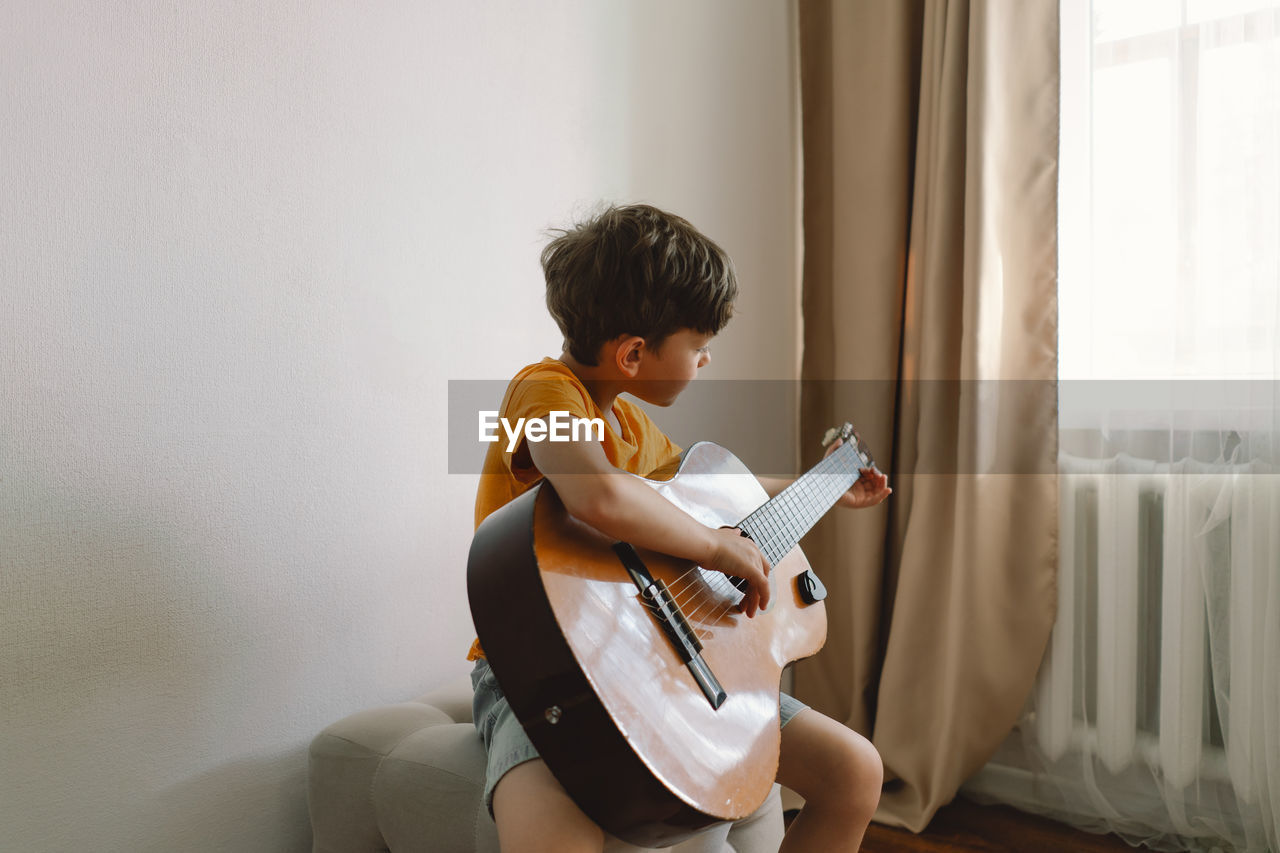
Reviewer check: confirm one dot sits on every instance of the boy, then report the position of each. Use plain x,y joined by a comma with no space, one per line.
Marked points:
638,295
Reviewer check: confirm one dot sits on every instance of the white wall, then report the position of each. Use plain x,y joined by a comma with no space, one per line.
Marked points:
243,248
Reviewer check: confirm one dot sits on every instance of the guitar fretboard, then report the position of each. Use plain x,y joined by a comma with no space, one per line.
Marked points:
777,526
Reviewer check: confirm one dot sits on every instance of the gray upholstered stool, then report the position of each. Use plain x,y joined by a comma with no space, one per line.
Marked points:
407,778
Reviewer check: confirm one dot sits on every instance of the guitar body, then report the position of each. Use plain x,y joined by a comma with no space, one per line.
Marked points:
601,689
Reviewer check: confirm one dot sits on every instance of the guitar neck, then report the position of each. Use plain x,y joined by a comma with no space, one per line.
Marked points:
777,526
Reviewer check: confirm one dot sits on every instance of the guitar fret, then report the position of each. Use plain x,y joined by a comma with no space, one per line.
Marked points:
778,525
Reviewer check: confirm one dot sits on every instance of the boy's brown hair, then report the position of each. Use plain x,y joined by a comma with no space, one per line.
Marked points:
635,270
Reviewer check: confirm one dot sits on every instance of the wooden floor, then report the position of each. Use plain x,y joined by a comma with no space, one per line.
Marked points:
966,826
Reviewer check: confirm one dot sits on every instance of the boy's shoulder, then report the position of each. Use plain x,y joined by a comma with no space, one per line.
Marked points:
542,386
549,376
549,368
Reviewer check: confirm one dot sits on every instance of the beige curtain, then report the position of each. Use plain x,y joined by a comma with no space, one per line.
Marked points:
930,146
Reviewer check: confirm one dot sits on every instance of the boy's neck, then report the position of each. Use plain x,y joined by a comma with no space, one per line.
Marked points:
599,380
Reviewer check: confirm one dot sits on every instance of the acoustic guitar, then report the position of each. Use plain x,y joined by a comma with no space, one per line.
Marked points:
649,694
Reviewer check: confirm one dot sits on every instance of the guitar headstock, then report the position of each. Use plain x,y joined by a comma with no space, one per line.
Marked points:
849,435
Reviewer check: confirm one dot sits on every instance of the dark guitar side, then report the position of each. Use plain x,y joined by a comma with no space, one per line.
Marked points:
611,707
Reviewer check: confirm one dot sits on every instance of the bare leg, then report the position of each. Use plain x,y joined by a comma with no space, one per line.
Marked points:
839,773
535,815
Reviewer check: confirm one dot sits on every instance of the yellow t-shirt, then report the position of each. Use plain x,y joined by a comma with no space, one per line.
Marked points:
546,387
550,386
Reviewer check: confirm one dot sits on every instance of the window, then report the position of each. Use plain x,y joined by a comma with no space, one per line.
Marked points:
1170,200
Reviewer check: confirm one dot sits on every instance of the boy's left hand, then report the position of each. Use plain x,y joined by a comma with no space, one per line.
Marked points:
871,488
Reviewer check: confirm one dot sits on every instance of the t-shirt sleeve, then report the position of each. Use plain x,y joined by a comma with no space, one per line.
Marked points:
538,397
662,455
668,456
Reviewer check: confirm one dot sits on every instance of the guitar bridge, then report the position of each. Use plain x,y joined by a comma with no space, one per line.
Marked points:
657,598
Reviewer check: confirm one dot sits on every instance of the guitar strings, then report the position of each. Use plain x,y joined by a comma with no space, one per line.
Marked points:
704,594
707,589
771,540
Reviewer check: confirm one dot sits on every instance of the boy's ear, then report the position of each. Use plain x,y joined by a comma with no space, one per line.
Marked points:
628,353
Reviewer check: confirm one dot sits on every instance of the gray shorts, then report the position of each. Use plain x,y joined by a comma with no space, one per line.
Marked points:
505,742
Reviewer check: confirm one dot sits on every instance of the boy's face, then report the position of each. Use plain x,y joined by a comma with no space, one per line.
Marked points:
665,372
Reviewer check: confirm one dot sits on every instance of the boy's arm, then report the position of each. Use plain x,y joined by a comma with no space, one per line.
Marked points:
621,506
773,486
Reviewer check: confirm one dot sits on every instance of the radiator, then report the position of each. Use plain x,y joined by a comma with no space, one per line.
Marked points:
1127,676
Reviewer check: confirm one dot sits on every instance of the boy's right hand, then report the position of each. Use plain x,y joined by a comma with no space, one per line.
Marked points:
736,555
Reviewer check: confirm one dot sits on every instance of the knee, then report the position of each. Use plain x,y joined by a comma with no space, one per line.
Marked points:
856,774
871,770
836,770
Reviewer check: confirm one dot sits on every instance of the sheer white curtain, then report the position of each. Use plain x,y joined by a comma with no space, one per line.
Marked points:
1157,710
